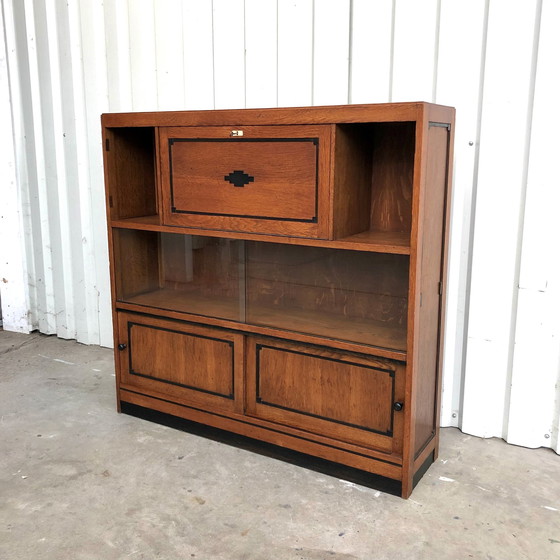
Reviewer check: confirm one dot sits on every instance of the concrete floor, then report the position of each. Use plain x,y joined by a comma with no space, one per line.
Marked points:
79,481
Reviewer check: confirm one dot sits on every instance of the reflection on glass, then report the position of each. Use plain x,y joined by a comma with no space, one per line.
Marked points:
192,274
348,295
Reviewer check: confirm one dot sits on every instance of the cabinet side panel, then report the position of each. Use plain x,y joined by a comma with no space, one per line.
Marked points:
431,276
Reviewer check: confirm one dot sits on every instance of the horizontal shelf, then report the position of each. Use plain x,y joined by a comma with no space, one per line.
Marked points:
328,325
315,323
185,301
369,241
140,222
383,241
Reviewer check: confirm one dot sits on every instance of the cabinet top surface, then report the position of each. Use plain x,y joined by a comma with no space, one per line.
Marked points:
332,114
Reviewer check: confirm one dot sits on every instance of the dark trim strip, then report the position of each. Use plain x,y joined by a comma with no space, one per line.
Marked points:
247,216
175,210
422,469
314,140
385,370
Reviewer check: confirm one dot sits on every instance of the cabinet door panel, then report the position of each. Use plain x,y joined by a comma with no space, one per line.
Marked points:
270,180
192,364
245,179
341,395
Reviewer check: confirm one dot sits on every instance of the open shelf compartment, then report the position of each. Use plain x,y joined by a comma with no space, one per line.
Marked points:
131,173
354,296
373,178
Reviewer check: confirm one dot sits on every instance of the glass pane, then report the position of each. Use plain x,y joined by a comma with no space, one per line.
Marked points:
348,295
192,274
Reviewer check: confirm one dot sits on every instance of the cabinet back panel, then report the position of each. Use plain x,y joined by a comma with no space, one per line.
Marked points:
200,275
352,285
352,180
392,169
137,258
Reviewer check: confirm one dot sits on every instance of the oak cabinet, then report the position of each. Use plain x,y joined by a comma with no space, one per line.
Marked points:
281,274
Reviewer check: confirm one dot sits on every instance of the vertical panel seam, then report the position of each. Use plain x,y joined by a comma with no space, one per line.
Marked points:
9,85
312,52
156,71
245,54
181,17
89,257
392,50
129,56
22,170
213,58
47,316
350,49
521,217
67,261
436,51
105,49
277,53
470,244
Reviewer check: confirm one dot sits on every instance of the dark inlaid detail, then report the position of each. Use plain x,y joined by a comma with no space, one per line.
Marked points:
314,141
239,178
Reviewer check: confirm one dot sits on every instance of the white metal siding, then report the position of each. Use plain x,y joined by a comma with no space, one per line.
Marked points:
64,63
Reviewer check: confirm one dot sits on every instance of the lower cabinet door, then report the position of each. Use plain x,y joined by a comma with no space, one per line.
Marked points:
345,396
188,364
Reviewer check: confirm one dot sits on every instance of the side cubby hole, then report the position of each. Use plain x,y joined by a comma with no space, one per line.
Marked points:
373,175
131,172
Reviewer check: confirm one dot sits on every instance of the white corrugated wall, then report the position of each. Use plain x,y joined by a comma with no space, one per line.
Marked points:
63,63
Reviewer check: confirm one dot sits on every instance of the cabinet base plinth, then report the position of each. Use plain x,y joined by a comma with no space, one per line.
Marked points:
329,468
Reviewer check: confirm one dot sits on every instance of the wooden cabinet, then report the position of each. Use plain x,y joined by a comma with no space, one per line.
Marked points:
281,274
